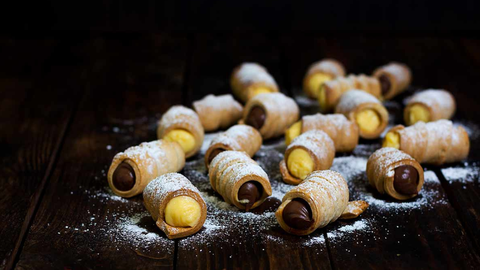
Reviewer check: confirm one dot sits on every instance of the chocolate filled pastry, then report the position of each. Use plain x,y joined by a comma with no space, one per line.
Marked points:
182,125
331,91
366,111
271,114
429,105
239,180
395,173
311,151
435,143
394,79
251,79
218,112
175,205
134,168
319,200
237,138
342,131
320,72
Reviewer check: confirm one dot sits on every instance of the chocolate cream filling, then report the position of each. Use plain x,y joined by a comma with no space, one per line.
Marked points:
297,214
251,191
406,180
256,117
124,177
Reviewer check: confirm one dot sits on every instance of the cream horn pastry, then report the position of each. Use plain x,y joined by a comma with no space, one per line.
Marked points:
320,72
132,169
320,199
436,142
366,111
175,205
182,125
239,180
251,79
237,138
429,105
218,112
394,78
271,114
311,151
395,173
342,131
331,91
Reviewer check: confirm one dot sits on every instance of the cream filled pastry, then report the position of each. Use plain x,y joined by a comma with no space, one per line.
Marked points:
132,169
251,79
311,151
182,125
320,72
436,142
319,200
175,205
429,105
239,180
366,111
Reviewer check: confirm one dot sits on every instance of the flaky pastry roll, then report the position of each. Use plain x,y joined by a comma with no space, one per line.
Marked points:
342,131
320,199
237,138
251,79
331,91
429,105
175,205
366,110
394,78
134,168
271,114
239,180
320,72
395,173
436,142
218,112
311,151
181,124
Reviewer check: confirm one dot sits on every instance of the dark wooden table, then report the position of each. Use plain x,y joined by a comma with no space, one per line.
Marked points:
70,101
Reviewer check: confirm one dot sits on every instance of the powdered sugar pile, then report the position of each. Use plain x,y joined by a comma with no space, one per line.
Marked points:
462,175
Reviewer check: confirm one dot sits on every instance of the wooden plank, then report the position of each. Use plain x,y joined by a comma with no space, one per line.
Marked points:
232,239
35,108
423,233
132,79
461,180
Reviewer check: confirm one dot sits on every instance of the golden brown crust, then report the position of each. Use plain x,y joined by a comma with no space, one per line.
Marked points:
180,117
326,192
148,160
355,101
342,131
436,142
439,103
381,171
320,148
229,170
326,66
218,112
249,75
159,193
399,77
334,89
238,138
281,112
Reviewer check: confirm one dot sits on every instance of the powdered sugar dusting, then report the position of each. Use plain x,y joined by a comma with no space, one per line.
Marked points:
253,72
465,175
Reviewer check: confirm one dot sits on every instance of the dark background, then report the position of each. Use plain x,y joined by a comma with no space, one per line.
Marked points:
406,16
